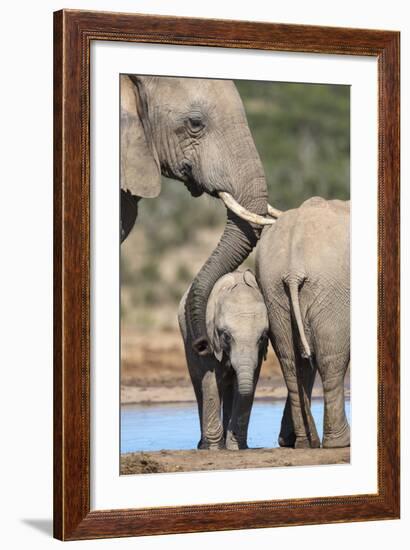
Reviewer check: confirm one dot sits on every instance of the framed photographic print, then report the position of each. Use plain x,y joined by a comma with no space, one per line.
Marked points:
226,280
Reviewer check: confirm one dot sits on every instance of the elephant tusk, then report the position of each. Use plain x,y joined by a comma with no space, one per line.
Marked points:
274,212
242,212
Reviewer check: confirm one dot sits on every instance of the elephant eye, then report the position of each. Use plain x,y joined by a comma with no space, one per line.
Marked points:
225,338
195,124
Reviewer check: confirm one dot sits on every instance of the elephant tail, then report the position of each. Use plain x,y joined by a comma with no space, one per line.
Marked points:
293,286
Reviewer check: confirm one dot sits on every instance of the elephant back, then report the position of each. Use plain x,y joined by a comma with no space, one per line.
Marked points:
310,243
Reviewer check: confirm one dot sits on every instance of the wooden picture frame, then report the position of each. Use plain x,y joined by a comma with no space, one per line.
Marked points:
73,33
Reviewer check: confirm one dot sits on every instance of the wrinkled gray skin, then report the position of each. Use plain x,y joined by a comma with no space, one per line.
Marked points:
303,270
195,131
237,327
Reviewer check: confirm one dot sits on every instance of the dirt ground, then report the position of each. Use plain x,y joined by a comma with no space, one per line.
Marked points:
153,369
184,461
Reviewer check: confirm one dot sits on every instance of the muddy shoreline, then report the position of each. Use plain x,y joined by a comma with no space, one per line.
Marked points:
196,461
154,371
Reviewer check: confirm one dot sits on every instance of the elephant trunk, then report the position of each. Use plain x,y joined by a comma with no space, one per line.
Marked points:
245,381
244,390
235,245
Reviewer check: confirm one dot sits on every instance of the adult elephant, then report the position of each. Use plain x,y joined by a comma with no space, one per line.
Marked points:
303,270
195,131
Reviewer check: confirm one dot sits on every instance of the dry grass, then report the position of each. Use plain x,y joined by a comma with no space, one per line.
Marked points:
158,359
153,369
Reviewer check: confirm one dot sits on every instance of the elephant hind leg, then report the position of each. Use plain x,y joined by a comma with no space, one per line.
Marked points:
298,427
305,375
287,436
336,429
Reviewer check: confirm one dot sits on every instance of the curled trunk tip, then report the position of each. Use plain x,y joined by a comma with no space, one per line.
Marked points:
202,346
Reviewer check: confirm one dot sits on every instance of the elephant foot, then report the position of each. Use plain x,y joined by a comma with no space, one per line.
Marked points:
232,444
307,443
341,439
287,440
205,444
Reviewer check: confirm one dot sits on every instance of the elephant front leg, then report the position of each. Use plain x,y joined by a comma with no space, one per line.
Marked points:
237,433
212,434
227,405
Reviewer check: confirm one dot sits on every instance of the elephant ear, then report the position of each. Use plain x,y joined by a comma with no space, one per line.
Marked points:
216,345
215,302
249,279
140,171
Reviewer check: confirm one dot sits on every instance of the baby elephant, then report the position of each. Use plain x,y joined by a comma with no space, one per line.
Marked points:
237,327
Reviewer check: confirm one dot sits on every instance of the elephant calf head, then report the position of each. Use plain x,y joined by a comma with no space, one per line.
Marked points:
237,326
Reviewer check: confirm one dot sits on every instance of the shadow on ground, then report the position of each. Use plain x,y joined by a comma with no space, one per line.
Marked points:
43,525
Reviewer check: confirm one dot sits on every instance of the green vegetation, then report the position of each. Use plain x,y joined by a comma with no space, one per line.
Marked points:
302,133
